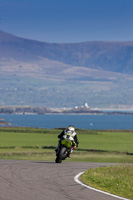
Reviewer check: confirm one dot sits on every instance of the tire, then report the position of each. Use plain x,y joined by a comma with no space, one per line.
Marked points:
57,160
61,155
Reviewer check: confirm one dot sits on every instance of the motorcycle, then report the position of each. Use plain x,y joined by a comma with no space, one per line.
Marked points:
65,149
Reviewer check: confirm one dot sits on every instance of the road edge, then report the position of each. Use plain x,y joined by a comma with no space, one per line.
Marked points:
76,179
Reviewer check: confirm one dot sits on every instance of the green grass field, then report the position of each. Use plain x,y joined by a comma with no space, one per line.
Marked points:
39,144
117,179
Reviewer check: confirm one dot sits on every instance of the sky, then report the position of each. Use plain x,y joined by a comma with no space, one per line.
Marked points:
68,21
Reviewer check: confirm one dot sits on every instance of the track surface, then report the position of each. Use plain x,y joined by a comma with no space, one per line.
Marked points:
32,180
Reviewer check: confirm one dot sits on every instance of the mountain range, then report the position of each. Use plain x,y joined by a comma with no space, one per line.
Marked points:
65,74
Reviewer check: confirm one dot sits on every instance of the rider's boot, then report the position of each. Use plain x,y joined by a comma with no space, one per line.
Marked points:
57,148
69,153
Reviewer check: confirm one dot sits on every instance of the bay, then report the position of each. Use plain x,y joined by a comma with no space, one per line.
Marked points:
120,122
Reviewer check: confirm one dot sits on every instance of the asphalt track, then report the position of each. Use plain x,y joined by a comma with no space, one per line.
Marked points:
32,180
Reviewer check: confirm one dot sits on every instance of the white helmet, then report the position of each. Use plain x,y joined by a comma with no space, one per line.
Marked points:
71,128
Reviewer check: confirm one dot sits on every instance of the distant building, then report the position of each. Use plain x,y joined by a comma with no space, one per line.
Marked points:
76,107
86,105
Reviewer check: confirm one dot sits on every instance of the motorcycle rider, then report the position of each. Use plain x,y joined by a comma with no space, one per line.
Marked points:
73,137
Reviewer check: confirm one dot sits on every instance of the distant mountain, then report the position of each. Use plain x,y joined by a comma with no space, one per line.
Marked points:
41,73
109,56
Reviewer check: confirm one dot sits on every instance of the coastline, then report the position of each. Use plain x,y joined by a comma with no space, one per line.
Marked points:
2,122
39,110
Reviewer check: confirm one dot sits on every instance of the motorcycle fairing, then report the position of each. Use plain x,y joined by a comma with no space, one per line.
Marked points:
66,142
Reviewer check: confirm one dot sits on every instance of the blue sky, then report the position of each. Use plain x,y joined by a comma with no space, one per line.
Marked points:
68,20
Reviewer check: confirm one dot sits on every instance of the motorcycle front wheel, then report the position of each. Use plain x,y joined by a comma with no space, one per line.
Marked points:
61,155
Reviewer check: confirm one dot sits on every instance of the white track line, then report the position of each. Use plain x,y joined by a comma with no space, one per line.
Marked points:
76,178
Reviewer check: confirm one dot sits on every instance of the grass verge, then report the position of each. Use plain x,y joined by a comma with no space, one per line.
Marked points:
39,144
117,179
77,156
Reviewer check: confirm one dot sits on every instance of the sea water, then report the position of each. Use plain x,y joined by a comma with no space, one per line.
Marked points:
79,121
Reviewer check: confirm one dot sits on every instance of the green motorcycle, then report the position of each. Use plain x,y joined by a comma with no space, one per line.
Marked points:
65,149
